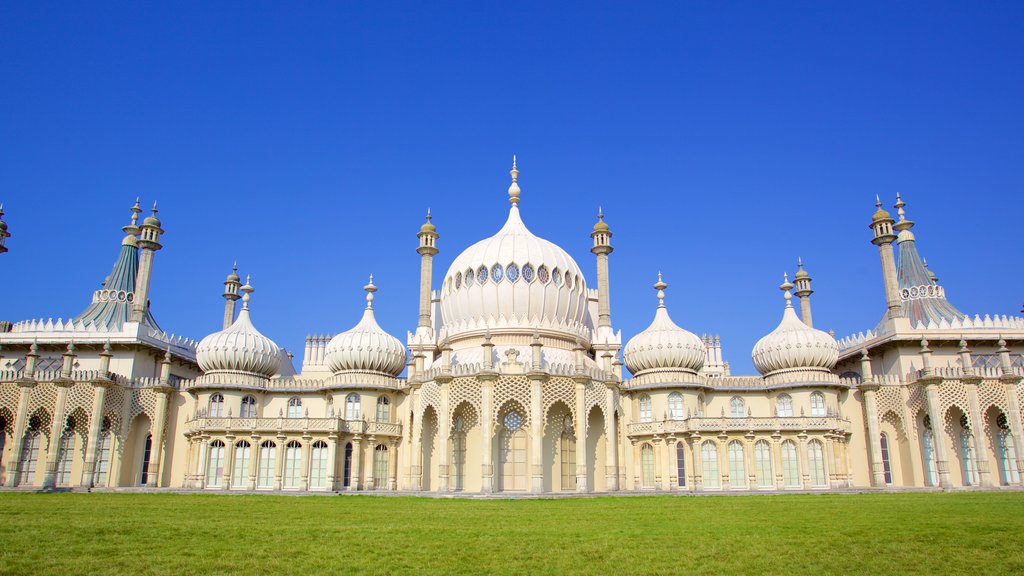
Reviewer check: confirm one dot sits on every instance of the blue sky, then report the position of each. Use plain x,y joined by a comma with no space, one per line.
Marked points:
306,140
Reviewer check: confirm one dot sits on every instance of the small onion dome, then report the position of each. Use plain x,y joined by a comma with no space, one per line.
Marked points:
428,226
601,225
664,346
366,347
800,272
152,220
794,345
239,347
233,276
880,213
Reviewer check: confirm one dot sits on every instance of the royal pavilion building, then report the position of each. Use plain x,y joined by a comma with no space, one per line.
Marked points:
512,382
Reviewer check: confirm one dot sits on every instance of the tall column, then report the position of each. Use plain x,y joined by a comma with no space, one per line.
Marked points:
20,423
279,462
427,249
393,464
486,436
697,462
99,396
581,434
1010,382
748,452
602,236
536,433
204,444
780,480
805,469
981,454
611,468
160,422
882,225
869,388
443,433
229,462
254,460
357,463
332,463
667,462
59,417
307,443
371,455
416,472
931,393
149,243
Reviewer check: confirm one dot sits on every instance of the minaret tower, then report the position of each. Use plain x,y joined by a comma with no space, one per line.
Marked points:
231,295
427,249
4,234
803,291
602,236
882,225
149,243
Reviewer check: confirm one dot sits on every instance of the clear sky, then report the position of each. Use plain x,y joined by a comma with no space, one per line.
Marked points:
307,140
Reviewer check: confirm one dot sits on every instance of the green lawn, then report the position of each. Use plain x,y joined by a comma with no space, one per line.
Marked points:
127,534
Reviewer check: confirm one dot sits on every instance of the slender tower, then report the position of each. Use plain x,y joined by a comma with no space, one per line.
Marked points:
149,243
602,236
803,291
231,295
427,249
4,234
881,224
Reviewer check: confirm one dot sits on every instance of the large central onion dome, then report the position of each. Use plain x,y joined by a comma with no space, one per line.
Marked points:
663,346
514,280
794,345
366,347
239,347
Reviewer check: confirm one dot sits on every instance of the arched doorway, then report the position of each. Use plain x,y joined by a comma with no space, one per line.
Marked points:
512,452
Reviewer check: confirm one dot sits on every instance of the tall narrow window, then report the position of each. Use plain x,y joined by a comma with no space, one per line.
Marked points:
380,467
146,453
736,407
318,466
817,404
295,407
647,466
645,408
790,465
459,455
347,472
216,408
513,453
675,406
215,464
886,468
352,407
1007,452
567,448
928,448
967,452
292,464
763,461
680,464
816,463
784,406
268,465
240,472
709,459
737,467
383,409
248,407
103,446
66,453
29,453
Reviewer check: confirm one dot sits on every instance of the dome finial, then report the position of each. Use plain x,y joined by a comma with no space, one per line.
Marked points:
660,286
370,289
513,190
902,224
428,215
786,286
600,214
246,290
878,201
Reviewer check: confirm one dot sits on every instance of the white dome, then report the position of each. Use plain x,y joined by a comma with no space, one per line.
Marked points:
795,346
239,348
664,346
366,347
514,280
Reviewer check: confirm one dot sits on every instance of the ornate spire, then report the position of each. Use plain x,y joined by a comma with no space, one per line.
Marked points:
246,290
132,229
513,190
660,286
902,224
786,286
370,289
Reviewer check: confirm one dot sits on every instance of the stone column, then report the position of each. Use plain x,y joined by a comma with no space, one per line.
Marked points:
279,463
443,433
20,424
697,462
977,430
203,444
869,390
254,460
95,426
1010,382
371,455
332,463
56,432
486,436
307,444
229,462
805,469
780,480
581,434
611,472
668,463
416,470
536,433
393,465
931,393
357,463
159,425
748,452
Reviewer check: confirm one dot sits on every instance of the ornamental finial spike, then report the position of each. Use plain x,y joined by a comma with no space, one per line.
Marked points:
660,286
370,289
513,189
246,290
786,286
428,215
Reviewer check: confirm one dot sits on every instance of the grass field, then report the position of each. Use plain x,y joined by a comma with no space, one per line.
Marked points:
127,534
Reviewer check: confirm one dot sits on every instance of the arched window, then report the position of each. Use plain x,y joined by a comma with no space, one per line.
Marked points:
352,407
318,466
790,465
737,467
567,456
967,452
146,453
268,465
645,408
240,473
347,472
736,407
784,406
380,467
675,406
295,407
383,409
103,446
1007,452
66,453
816,463
216,407
817,404
513,452
928,449
459,454
886,468
215,464
647,466
29,453
248,407
709,459
763,462
680,464
292,464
